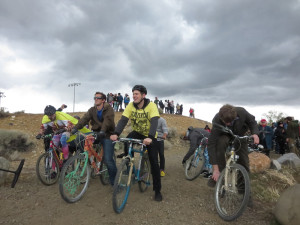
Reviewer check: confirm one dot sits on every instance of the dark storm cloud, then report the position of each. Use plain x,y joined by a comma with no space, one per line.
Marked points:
242,52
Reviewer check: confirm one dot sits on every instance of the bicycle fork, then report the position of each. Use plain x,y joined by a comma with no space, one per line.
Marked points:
231,179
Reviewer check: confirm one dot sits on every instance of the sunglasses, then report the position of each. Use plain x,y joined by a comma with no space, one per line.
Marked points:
95,98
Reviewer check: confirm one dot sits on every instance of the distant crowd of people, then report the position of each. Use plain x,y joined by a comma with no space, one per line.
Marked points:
168,106
282,136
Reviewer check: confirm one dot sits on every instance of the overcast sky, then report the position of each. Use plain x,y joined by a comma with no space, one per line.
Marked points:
201,53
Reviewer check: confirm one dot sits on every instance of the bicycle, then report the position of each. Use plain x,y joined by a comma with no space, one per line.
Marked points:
232,191
50,163
127,173
194,165
76,172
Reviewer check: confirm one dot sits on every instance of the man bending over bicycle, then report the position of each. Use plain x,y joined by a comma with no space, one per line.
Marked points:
239,121
101,116
62,122
195,136
144,119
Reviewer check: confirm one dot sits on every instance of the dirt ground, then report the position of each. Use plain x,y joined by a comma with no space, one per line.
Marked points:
184,202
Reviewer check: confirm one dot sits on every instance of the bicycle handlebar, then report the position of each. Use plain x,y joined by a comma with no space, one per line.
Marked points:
228,131
136,141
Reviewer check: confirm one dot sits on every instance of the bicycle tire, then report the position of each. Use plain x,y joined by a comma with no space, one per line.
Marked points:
121,187
104,176
231,203
194,166
73,183
145,171
47,172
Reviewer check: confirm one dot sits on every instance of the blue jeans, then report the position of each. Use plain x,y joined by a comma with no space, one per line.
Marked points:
108,148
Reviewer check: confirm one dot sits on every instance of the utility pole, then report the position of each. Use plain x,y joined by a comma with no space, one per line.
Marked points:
1,96
74,85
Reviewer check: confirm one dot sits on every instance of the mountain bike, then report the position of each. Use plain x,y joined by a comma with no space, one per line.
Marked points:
194,165
232,191
127,173
76,172
49,164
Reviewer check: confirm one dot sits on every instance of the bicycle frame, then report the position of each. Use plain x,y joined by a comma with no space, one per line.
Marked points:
90,153
131,162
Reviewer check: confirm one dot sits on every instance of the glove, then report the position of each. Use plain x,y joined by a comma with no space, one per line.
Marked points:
101,135
39,136
74,131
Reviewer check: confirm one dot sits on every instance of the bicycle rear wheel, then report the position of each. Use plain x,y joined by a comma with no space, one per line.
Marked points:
47,169
231,201
121,187
194,166
144,180
74,179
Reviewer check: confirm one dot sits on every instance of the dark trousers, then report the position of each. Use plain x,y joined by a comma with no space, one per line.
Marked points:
153,158
222,145
161,153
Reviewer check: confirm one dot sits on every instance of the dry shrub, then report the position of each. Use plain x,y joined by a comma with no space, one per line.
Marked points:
12,141
172,132
267,186
3,114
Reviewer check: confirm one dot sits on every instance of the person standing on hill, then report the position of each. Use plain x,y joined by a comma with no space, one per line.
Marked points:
126,100
265,136
280,138
120,101
144,119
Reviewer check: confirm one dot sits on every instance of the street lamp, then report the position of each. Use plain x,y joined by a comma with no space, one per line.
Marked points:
1,96
74,85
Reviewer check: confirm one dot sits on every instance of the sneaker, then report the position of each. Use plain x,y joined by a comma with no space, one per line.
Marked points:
162,173
158,196
204,172
211,182
208,175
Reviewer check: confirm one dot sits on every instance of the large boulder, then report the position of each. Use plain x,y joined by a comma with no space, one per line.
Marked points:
290,159
258,162
4,164
287,209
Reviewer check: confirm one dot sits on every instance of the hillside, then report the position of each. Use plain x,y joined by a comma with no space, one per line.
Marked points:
185,202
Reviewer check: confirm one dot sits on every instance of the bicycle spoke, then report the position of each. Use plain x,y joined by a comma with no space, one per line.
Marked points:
74,179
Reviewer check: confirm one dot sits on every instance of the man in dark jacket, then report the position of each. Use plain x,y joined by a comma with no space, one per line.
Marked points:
292,133
239,121
101,117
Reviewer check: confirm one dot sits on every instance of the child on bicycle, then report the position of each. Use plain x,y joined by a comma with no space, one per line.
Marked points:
62,122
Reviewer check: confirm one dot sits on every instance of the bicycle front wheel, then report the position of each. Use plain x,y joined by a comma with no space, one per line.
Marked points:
232,199
75,177
104,176
194,166
144,180
121,187
47,169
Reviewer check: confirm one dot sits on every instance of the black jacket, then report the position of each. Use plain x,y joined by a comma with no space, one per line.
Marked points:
244,122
